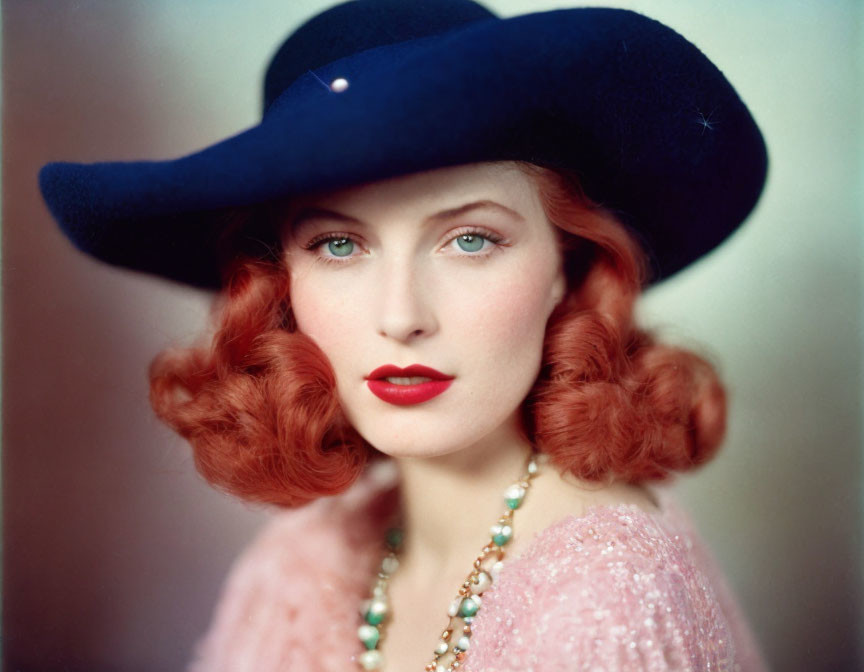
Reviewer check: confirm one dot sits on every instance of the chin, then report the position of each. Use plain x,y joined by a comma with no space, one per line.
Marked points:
418,444
420,439
414,437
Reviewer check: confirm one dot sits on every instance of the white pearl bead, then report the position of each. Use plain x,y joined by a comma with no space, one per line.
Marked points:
365,631
498,528
378,606
390,564
532,466
464,643
371,659
339,84
481,583
454,607
515,491
440,668
364,607
495,569
441,649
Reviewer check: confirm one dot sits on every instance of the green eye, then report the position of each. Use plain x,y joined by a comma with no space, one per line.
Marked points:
470,242
341,247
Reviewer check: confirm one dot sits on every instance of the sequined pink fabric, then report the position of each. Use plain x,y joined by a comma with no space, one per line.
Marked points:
615,590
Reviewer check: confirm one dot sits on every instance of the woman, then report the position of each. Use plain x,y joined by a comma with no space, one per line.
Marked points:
356,237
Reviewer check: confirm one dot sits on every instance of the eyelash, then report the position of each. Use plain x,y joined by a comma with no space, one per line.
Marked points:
496,240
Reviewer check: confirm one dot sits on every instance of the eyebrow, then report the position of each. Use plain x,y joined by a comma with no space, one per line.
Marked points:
444,215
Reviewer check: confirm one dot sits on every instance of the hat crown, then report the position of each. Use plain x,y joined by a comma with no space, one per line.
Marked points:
357,25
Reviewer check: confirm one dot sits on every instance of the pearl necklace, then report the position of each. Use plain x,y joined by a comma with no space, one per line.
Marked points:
376,610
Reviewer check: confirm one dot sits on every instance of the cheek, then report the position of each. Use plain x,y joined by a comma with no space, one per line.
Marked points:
509,312
500,333
329,318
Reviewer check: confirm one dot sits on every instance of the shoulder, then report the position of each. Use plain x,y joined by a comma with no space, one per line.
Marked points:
631,584
304,571
617,588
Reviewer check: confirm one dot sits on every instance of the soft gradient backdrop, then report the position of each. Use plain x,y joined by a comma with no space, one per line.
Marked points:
115,549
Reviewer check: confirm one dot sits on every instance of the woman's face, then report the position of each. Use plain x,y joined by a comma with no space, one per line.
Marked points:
457,269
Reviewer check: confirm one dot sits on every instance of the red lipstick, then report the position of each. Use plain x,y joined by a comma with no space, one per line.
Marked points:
405,395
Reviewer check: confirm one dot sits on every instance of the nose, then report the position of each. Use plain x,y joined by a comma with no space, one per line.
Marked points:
405,310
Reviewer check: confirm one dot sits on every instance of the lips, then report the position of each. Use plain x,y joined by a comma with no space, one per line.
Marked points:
404,395
392,371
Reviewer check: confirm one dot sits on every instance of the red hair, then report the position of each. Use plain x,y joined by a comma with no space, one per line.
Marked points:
259,403
611,403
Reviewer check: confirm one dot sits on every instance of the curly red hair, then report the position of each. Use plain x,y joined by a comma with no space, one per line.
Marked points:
259,407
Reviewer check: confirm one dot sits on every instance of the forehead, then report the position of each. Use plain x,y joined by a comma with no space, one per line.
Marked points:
428,192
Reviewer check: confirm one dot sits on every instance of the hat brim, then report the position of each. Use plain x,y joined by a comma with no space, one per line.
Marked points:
653,128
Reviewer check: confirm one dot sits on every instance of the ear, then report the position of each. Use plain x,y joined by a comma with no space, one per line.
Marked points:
559,287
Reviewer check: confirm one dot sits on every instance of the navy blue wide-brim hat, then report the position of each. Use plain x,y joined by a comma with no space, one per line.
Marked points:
372,89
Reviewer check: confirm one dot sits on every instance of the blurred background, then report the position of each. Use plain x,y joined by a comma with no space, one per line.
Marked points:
115,549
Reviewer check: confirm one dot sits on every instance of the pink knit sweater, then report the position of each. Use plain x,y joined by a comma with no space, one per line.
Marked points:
617,589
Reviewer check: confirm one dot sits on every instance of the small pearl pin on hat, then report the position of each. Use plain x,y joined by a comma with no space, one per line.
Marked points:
339,84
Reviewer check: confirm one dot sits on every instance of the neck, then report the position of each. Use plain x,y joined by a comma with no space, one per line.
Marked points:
449,502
